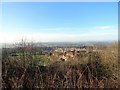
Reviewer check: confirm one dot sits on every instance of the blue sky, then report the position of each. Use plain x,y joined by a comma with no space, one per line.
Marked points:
48,22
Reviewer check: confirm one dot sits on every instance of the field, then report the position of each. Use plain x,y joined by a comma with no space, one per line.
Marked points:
27,66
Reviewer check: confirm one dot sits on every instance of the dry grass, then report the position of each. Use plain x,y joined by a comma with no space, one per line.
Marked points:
100,71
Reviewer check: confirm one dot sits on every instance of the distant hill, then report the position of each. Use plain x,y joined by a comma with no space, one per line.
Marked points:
59,44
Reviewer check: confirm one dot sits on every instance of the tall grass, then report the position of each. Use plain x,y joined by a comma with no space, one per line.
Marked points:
99,70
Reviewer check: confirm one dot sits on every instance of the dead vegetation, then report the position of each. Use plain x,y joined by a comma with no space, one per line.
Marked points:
93,70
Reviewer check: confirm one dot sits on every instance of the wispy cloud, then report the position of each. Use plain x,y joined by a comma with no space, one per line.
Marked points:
103,27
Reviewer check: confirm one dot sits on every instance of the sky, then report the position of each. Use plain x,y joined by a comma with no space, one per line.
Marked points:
59,21
60,0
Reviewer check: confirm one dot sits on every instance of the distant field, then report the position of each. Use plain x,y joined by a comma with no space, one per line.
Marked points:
83,66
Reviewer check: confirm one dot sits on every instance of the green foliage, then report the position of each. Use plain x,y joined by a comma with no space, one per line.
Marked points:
43,60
